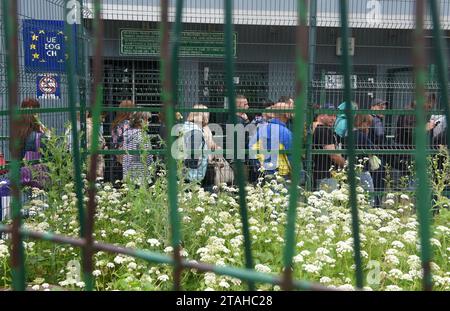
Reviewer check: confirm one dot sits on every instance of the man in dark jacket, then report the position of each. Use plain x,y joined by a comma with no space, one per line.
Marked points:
377,135
377,131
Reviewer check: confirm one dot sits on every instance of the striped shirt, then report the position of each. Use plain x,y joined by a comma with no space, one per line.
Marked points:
134,166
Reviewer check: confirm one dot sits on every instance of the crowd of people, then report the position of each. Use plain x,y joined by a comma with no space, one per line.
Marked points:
269,143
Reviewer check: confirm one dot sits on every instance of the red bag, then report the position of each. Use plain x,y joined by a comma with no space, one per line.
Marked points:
2,163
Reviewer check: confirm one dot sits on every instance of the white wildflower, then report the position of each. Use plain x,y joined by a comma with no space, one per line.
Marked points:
311,268
129,232
398,244
153,242
168,249
224,284
262,268
96,272
298,258
163,277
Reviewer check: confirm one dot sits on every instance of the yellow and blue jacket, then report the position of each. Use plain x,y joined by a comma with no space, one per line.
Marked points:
269,139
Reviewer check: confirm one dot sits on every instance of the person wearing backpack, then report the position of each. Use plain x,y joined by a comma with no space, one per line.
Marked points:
191,145
340,125
271,138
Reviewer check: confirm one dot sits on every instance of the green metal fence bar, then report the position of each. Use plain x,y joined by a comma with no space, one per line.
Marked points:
84,56
12,71
441,58
239,166
423,192
72,97
346,64
97,102
312,42
299,120
155,257
169,87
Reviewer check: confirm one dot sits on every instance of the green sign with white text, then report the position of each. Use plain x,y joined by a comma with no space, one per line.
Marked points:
199,44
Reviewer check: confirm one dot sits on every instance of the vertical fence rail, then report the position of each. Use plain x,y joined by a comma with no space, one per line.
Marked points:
440,49
312,42
12,71
346,64
301,98
239,166
423,192
96,105
169,88
72,97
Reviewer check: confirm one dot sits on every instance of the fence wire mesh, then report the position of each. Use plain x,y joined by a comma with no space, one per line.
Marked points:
264,43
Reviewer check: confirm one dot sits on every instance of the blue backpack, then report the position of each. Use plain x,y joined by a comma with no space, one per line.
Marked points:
340,125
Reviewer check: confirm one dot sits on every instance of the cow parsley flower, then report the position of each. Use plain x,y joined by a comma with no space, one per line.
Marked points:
163,277
389,202
262,268
398,244
153,242
409,237
311,268
129,232
224,284
298,258
119,259
392,259
168,249
199,209
395,273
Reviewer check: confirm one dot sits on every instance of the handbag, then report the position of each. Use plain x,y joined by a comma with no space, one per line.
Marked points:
374,163
223,173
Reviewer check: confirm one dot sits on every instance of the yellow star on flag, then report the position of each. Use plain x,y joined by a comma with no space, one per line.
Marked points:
42,32
35,56
32,46
34,37
60,33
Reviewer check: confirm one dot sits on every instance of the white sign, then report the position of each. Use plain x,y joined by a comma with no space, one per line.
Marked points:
351,46
336,82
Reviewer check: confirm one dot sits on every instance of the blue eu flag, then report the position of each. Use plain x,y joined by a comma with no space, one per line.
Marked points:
44,45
